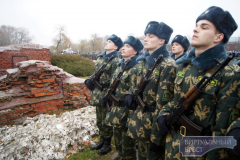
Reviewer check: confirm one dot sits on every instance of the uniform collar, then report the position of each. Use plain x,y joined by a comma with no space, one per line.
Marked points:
149,58
130,64
204,60
106,56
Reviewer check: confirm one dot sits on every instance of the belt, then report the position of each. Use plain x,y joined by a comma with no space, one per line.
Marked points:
150,108
120,104
103,87
184,131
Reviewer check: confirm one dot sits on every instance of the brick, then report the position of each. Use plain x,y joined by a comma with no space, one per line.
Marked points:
60,106
13,117
3,116
83,100
25,106
74,91
40,94
36,108
76,94
41,77
41,111
33,78
30,109
45,90
48,80
51,93
51,108
39,81
3,120
40,103
34,91
43,72
28,114
38,85
9,113
40,91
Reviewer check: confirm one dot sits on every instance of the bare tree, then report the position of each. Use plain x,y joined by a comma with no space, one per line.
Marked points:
12,35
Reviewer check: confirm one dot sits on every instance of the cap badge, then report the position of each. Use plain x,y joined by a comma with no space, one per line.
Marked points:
148,25
176,38
206,11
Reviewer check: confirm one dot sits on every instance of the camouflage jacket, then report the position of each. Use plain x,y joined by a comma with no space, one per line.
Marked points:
235,123
216,105
119,115
106,76
158,91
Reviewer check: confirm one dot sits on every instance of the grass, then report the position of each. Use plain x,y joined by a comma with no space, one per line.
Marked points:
88,154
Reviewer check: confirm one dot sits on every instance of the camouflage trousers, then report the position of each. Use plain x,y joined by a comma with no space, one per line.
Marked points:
144,152
125,145
104,130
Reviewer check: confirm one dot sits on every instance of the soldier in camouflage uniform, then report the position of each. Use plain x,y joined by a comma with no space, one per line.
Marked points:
119,114
215,105
113,44
180,45
234,130
159,90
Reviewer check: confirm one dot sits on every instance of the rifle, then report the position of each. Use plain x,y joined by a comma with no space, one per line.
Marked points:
144,81
177,114
112,88
97,75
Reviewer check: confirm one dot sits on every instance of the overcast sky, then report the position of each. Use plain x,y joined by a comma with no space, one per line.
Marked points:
82,18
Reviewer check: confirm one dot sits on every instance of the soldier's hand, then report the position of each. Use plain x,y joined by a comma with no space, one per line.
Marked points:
129,102
163,125
154,148
89,84
235,152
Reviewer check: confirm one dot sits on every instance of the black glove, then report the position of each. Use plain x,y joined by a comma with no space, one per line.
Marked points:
235,152
89,84
163,125
155,148
129,102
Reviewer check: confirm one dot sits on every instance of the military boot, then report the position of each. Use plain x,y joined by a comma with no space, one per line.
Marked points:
99,144
106,147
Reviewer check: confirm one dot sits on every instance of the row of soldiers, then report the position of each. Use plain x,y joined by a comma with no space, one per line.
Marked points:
135,96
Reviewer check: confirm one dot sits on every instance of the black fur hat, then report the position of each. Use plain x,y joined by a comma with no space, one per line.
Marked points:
223,21
134,42
182,40
116,40
161,30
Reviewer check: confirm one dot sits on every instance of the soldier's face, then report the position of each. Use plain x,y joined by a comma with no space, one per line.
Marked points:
128,51
204,36
152,42
109,46
177,49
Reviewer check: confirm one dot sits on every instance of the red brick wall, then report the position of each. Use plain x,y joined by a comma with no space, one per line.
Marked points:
39,88
7,56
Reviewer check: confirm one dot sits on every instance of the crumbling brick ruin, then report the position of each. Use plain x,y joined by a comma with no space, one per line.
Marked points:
35,87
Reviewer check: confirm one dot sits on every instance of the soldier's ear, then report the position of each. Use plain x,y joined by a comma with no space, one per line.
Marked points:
115,47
